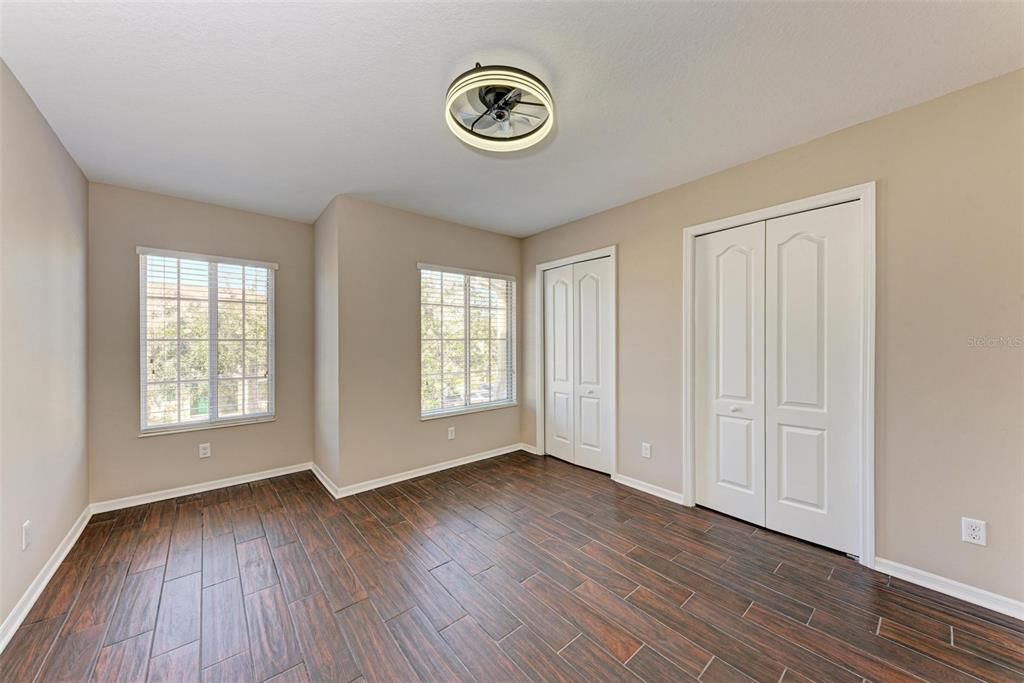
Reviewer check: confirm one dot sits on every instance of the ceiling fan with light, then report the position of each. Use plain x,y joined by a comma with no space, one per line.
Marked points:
499,108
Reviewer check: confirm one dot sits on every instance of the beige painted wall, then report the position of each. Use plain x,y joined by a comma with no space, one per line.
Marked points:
380,428
43,469
326,381
950,418
121,463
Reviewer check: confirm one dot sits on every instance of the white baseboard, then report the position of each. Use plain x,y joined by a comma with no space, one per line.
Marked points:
668,495
529,448
28,599
143,498
352,489
977,596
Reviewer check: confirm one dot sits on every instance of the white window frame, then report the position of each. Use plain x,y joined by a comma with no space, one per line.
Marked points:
214,422
513,399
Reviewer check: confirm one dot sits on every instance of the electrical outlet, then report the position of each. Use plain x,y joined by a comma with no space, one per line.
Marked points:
973,531
204,450
451,433
25,529
645,450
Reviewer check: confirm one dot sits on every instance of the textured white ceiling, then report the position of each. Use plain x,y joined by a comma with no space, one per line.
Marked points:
278,107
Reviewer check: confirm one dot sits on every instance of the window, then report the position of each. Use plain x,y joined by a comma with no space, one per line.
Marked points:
206,340
467,341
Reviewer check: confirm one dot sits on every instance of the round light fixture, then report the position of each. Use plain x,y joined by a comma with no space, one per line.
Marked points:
499,108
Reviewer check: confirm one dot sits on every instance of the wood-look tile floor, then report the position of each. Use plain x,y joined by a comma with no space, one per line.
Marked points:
510,569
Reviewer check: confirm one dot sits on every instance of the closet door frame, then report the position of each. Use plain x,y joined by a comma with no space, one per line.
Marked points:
541,362
865,194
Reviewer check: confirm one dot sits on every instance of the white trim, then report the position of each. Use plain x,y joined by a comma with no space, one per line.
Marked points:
963,591
352,489
464,271
200,426
671,496
478,408
864,193
188,255
153,497
539,363
35,589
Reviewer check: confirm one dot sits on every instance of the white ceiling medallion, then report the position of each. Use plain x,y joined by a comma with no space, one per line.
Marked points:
499,108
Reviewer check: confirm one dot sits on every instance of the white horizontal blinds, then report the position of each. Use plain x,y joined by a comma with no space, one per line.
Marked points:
206,341
243,343
467,332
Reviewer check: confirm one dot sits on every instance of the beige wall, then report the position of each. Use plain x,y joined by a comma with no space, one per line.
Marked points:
121,463
43,470
949,417
380,429
326,381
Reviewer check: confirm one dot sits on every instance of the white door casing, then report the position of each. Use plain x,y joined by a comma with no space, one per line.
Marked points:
729,371
594,283
559,429
813,276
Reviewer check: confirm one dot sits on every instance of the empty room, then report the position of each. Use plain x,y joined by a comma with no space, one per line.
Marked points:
512,341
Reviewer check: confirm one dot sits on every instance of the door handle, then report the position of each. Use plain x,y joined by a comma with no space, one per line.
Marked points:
734,409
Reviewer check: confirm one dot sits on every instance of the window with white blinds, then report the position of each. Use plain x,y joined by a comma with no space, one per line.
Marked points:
206,340
467,341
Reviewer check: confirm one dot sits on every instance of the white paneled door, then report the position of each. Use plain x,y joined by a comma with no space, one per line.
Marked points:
813,275
579,363
729,368
778,357
559,426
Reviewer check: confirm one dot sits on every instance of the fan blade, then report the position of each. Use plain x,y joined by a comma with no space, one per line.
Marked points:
505,128
531,117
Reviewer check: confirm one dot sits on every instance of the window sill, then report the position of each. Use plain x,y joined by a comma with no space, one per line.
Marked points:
467,411
179,429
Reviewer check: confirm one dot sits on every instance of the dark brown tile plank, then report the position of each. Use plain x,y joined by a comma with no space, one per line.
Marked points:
481,655
185,554
272,640
419,546
176,666
73,655
380,579
428,654
98,597
595,663
325,653
255,565
340,583
346,536
380,507
237,669
125,661
137,605
827,646
553,629
463,552
295,572
60,593
220,561
602,630
679,650
278,526
967,662
650,666
224,631
591,568
1009,657
246,523
177,622
637,572
296,675
537,660
475,599
24,654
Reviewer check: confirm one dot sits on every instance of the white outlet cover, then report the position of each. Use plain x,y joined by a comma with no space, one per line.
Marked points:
451,432
973,531
645,450
25,528
204,450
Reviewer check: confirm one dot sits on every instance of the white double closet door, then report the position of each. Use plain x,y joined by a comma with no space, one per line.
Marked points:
778,355
579,363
